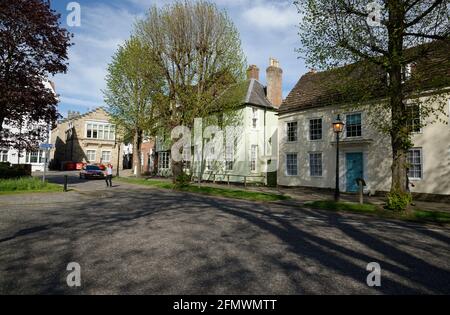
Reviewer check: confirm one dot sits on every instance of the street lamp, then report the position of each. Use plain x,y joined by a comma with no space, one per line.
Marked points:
338,126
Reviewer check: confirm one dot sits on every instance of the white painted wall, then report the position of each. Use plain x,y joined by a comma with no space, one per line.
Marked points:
376,148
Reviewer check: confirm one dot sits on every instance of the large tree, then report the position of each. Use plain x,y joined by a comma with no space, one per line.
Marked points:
383,35
199,49
134,84
33,46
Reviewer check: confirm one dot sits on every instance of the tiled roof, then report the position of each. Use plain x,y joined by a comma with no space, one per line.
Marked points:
356,83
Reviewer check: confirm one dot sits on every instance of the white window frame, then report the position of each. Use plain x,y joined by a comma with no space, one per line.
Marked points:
254,158
164,158
229,157
287,131
40,154
310,166
103,125
421,163
88,158
420,117
321,128
346,124
296,164
110,156
3,154
255,113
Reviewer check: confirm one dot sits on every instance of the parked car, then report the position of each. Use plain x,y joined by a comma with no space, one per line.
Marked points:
92,171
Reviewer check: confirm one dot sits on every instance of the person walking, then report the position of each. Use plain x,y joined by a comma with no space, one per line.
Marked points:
109,172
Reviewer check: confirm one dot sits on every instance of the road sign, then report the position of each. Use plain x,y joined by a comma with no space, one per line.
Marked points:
46,146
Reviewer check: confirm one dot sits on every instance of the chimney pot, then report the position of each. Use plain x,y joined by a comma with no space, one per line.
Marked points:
253,72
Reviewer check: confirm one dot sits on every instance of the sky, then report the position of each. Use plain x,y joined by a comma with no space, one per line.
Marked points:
268,28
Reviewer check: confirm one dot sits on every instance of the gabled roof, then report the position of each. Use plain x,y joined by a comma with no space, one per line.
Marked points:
356,83
247,93
84,115
256,95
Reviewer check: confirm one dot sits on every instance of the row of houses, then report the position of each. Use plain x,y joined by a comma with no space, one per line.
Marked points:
304,150
288,142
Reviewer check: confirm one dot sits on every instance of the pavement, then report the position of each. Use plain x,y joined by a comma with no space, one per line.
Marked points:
137,240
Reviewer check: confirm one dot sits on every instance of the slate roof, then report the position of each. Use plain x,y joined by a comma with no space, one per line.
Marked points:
256,95
248,93
355,83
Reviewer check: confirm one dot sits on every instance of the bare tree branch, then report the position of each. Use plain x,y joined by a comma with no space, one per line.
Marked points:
424,14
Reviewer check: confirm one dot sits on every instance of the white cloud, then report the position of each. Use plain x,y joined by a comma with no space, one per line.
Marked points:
267,29
272,16
103,28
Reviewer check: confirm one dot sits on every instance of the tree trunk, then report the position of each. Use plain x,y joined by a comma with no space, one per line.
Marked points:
137,151
177,169
400,138
2,119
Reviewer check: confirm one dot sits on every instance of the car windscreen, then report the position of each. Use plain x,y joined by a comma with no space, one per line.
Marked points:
92,168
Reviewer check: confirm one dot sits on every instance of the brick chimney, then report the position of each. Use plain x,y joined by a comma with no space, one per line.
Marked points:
274,78
253,72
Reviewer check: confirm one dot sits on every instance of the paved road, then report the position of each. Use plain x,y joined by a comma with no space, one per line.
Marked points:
139,240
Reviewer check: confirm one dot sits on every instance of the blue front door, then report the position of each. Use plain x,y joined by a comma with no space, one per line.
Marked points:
354,170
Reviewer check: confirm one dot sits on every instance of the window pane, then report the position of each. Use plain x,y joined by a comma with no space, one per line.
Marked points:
4,156
106,156
315,129
42,156
413,122
253,161
315,164
34,157
90,155
255,117
353,125
292,131
291,164
415,163
89,131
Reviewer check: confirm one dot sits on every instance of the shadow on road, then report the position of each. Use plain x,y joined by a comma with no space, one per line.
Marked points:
151,241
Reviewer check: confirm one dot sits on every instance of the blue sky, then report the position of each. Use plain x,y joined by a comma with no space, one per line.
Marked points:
267,28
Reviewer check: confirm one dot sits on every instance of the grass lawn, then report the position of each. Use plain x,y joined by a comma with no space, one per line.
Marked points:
26,185
212,191
412,215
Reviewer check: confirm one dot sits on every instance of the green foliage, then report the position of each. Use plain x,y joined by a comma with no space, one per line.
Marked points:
199,65
14,171
33,46
415,215
340,34
183,180
398,201
212,191
342,206
134,82
432,216
27,184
